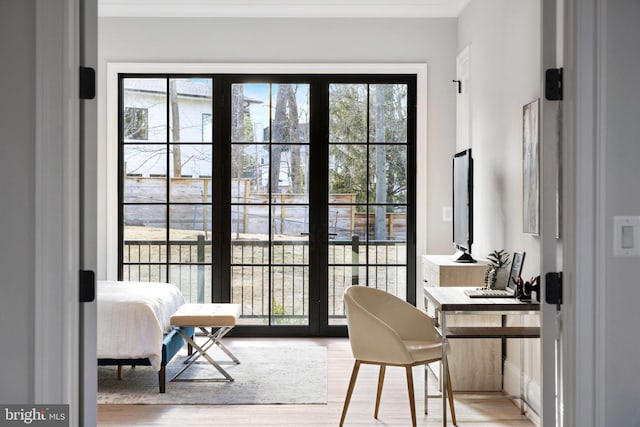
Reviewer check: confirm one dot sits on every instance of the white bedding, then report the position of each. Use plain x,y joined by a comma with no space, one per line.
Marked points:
133,317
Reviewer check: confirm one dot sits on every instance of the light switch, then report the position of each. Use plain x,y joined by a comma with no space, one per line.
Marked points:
626,236
447,214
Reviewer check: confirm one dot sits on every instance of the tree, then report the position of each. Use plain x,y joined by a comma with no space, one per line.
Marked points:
175,127
238,114
347,128
297,168
385,117
381,162
286,129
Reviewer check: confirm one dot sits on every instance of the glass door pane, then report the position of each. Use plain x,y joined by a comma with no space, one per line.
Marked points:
367,203
270,203
166,153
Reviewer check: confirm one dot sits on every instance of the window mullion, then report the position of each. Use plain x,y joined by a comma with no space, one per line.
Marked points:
168,182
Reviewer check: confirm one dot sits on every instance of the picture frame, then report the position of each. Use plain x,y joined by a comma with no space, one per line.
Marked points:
531,167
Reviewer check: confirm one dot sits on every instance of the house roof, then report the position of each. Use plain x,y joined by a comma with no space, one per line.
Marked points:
192,87
200,88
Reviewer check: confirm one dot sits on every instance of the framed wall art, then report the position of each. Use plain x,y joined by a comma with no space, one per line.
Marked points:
531,167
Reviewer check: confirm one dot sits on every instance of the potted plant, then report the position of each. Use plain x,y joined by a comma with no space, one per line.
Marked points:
497,273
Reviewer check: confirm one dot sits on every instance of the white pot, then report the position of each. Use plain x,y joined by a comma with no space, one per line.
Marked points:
502,279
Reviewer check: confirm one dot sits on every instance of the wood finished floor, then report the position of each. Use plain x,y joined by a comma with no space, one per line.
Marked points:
477,410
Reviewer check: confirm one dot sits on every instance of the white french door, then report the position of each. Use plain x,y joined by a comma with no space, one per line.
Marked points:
550,182
273,191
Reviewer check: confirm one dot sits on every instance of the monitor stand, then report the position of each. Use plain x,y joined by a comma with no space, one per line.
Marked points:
462,256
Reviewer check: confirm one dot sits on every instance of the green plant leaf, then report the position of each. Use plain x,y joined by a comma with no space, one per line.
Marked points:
498,259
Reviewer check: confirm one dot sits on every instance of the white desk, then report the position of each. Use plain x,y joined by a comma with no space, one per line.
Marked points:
452,300
483,372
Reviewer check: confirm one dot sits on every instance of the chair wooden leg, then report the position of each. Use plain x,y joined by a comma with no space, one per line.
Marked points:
412,398
426,388
450,396
379,394
352,383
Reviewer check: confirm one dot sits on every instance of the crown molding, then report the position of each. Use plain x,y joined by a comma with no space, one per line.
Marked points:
282,8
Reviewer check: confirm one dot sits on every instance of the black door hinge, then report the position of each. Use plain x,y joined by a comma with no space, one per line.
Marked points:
87,83
87,286
553,288
553,84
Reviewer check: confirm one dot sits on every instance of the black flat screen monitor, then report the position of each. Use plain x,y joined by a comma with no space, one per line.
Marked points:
517,261
463,206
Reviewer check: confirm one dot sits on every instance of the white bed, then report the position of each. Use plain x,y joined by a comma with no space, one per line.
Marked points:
133,318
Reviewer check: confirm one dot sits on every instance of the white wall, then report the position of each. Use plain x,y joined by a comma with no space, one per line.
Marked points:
622,154
504,47
504,39
17,188
430,41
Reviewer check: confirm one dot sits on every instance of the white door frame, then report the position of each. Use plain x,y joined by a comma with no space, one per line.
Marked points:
583,246
57,201
88,52
549,136
584,225
108,214
463,116
57,379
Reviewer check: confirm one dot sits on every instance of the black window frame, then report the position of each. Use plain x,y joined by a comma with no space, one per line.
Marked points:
318,129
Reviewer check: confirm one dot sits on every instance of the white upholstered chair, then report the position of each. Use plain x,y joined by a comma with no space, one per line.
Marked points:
387,331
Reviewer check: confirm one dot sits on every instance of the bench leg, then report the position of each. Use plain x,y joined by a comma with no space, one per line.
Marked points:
202,352
213,338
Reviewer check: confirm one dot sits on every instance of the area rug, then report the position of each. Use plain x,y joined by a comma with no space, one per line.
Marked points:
268,373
